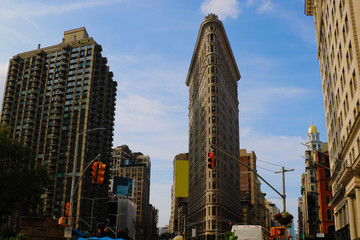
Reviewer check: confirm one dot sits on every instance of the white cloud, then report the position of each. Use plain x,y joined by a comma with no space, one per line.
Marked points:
138,114
250,2
261,101
24,10
265,7
222,8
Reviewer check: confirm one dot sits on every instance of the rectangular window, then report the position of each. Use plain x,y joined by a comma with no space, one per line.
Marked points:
213,119
328,214
327,199
327,173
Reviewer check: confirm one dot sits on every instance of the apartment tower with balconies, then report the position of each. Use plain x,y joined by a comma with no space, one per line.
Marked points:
54,96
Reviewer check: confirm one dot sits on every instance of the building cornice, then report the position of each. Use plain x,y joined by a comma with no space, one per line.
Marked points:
208,20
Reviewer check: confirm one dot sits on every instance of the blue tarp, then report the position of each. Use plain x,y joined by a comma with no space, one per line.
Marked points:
80,233
103,238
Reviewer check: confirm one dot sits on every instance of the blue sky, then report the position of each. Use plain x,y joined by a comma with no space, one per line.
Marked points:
149,45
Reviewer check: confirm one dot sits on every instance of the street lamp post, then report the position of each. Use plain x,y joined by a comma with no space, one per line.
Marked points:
73,177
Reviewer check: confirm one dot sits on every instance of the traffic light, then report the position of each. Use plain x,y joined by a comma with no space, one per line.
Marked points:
63,221
102,173
211,160
277,232
94,171
67,209
280,232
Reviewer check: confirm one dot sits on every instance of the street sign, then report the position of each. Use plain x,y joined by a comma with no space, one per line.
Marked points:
193,232
67,232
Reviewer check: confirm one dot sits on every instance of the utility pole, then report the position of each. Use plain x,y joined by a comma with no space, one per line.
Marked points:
283,171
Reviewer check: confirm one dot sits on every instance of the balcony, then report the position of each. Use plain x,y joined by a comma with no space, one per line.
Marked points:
58,105
11,84
32,102
15,62
64,62
59,92
32,96
345,176
98,48
13,73
13,67
39,57
27,134
62,74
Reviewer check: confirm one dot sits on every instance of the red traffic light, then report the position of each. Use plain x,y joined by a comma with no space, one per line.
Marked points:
94,171
280,232
211,160
67,209
102,173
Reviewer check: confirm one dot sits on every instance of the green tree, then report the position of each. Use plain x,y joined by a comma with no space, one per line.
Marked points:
231,236
22,181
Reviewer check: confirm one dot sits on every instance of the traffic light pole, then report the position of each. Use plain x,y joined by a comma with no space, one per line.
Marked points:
238,160
74,172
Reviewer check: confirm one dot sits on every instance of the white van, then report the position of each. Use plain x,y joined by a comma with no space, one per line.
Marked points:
250,232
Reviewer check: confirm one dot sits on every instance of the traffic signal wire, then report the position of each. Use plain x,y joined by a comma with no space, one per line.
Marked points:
238,160
270,163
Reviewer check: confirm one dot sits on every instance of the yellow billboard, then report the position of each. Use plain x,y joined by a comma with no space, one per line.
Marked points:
182,179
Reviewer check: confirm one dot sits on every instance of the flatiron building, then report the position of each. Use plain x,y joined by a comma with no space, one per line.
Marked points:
214,194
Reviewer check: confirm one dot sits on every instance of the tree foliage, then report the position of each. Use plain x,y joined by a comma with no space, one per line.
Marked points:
231,236
166,236
22,181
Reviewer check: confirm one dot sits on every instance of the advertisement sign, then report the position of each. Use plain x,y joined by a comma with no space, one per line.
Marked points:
123,186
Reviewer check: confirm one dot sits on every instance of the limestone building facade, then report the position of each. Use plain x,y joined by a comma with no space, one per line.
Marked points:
214,194
337,25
